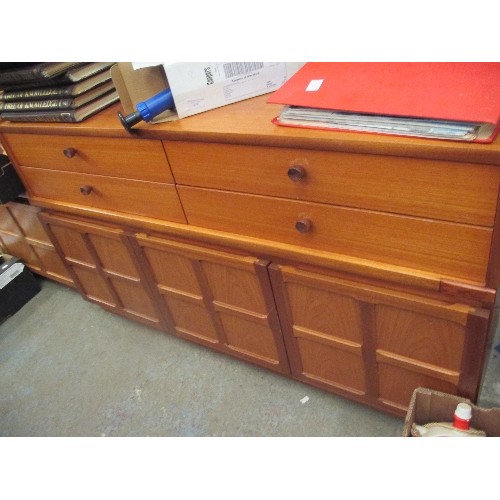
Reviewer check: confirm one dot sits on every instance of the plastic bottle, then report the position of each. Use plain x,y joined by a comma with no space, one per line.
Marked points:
460,427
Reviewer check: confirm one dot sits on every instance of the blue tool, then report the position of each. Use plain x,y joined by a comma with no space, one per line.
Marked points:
147,110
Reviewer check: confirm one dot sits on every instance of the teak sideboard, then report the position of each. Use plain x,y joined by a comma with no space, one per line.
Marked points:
365,265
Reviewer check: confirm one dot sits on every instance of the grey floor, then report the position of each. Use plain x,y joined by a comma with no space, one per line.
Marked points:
69,368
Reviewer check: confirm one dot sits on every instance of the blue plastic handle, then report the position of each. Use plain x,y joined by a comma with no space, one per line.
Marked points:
155,105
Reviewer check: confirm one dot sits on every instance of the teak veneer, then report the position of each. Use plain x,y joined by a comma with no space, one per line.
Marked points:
362,264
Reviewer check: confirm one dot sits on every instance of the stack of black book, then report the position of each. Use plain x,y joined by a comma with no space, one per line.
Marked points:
54,91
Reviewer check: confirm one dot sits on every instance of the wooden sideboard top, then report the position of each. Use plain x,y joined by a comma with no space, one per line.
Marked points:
249,122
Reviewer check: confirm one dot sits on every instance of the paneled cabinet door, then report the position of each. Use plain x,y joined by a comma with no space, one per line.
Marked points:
102,265
216,298
22,235
376,345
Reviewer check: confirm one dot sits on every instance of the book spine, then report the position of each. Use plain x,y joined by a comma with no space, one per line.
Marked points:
86,71
42,105
29,94
43,116
41,72
19,76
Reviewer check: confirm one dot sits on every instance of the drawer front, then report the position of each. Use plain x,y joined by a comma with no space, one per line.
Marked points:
128,158
148,199
446,248
427,188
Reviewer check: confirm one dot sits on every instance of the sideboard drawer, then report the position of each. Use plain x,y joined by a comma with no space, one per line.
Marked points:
392,184
149,199
450,249
129,158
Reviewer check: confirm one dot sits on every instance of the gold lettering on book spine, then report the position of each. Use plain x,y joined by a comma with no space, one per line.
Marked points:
46,104
42,104
42,93
34,94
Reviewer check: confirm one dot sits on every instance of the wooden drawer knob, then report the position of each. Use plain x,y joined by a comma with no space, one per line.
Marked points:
303,225
86,190
69,152
297,173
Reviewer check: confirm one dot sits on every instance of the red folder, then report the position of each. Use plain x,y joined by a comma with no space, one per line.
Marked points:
468,92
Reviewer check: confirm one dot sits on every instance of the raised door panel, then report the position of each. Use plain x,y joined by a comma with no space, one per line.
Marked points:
377,345
216,298
16,245
114,256
440,347
331,365
71,242
396,385
116,265
93,287
23,236
26,218
52,265
173,271
336,315
429,339
249,335
180,293
103,264
241,305
235,282
8,223
190,317
324,334
134,299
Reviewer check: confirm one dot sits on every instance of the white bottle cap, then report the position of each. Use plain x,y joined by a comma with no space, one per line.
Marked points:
463,411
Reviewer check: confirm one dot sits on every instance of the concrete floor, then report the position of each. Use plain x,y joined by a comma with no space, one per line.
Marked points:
69,368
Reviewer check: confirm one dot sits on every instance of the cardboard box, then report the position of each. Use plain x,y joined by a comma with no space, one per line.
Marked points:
427,406
137,85
17,285
198,87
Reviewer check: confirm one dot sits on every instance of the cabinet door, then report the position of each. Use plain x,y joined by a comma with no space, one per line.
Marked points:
22,235
102,264
216,298
377,345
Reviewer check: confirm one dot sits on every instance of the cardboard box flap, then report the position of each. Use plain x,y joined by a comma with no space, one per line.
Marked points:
137,85
427,405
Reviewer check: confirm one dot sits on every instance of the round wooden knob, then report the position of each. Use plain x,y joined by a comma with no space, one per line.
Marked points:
69,152
296,173
303,225
86,190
